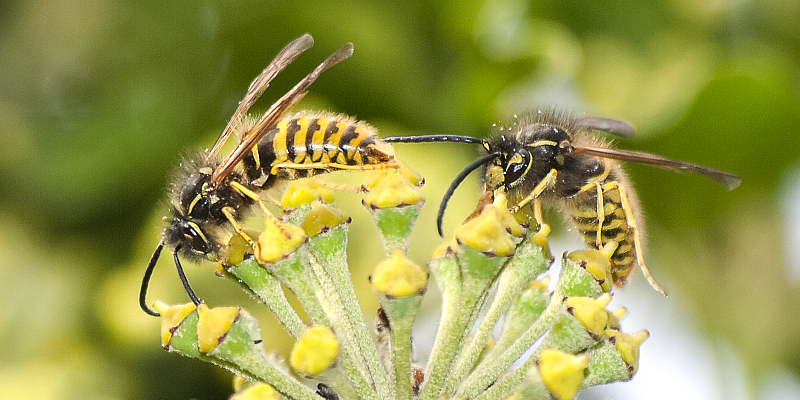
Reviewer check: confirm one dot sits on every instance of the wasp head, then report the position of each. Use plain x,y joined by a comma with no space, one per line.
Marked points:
526,153
191,213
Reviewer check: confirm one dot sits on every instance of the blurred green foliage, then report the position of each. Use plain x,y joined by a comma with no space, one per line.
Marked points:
99,100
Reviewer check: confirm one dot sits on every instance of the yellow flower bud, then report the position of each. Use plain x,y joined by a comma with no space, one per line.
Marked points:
315,351
399,277
491,231
320,217
589,312
541,284
278,241
392,190
213,324
258,391
444,249
598,262
171,318
628,346
304,191
237,247
562,373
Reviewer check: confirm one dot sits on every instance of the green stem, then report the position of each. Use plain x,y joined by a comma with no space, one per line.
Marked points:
401,349
330,247
268,288
458,317
352,359
528,262
494,364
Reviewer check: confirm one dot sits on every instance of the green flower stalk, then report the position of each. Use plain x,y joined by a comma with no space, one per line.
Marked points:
399,284
491,273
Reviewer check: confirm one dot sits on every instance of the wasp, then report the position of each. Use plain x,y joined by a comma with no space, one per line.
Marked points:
554,160
210,195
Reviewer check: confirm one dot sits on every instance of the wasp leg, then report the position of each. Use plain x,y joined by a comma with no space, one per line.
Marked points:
228,211
636,241
338,186
330,165
601,215
548,180
274,201
253,195
537,211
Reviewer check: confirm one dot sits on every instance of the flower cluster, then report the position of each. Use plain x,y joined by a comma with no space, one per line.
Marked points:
578,342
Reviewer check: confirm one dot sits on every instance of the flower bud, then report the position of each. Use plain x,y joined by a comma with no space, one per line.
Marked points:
399,277
278,241
314,351
562,373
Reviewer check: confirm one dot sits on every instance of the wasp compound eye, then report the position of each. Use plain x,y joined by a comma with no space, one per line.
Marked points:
195,236
517,166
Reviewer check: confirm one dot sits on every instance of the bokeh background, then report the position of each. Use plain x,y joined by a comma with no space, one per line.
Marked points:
99,100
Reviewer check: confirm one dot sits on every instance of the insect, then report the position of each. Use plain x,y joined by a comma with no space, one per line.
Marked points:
552,159
211,194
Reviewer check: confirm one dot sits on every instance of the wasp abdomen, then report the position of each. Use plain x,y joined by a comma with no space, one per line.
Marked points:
616,226
311,143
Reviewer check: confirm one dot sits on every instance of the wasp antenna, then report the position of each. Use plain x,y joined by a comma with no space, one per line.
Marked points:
146,281
457,181
434,138
185,281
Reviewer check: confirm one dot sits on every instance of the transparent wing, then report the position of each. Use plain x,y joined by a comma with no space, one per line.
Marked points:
609,125
276,112
730,181
256,89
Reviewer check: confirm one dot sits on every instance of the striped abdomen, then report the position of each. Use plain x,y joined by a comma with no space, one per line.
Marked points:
307,144
615,226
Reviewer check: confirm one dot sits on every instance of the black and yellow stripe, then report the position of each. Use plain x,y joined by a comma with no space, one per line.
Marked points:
616,225
307,144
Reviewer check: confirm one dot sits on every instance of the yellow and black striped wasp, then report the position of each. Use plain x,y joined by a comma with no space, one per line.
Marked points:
211,195
552,159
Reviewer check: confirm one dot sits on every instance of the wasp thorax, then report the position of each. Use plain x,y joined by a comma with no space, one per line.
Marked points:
196,196
537,132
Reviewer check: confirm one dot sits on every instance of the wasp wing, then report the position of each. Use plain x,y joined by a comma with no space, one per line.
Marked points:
256,89
609,125
730,181
276,112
